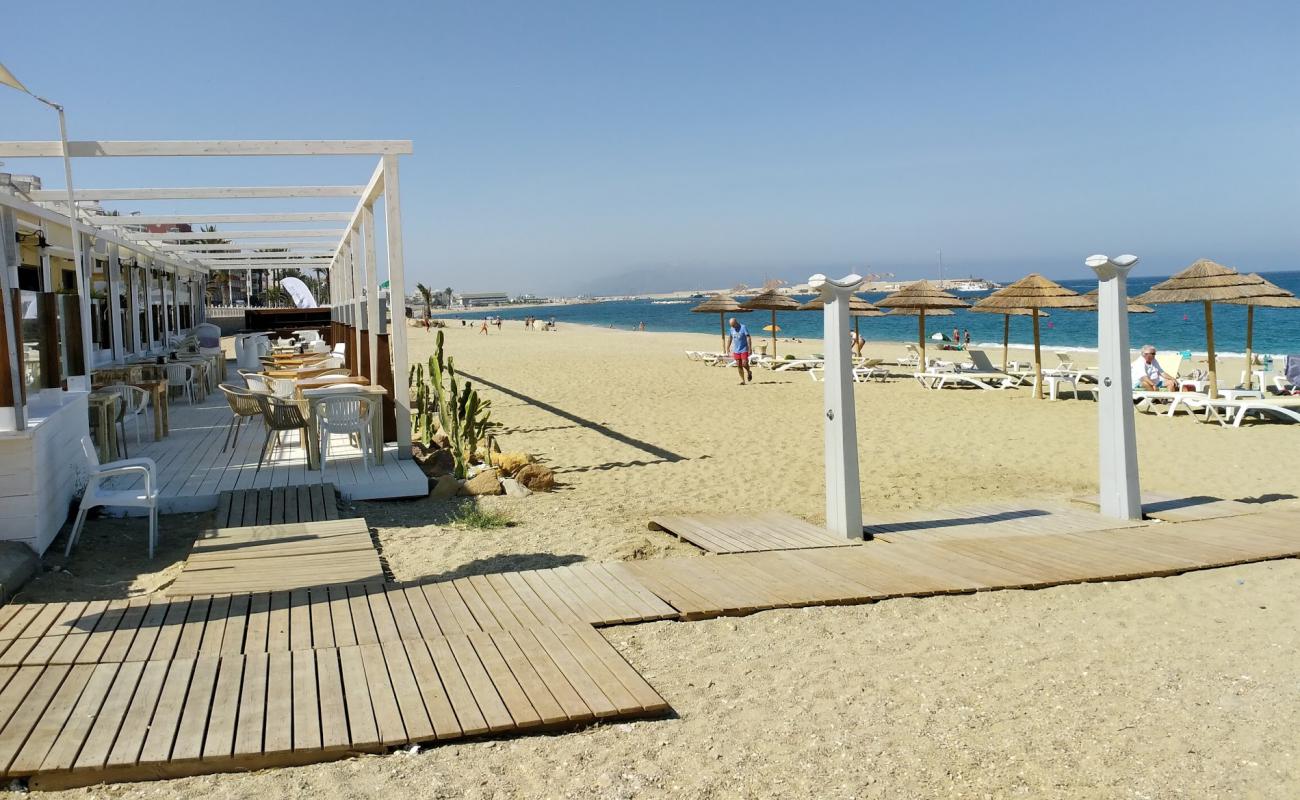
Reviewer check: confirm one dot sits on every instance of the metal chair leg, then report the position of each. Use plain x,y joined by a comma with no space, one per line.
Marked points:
238,422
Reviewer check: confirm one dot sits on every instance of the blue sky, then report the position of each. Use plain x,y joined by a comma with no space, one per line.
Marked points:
570,146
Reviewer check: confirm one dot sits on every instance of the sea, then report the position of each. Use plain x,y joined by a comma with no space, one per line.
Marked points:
1171,328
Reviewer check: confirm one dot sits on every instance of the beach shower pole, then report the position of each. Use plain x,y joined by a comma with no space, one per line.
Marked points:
1121,495
843,488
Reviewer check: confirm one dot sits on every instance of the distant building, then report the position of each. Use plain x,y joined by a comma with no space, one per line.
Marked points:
475,299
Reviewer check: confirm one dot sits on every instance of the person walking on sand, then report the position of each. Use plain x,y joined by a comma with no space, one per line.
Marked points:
738,346
482,328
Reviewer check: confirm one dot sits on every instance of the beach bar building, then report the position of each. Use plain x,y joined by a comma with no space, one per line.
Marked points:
89,294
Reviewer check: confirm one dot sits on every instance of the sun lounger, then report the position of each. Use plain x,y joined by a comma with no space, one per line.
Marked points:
790,364
941,378
861,374
913,357
1288,408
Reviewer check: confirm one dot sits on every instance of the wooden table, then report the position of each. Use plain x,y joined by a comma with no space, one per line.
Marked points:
376,393
295,372
157,390
103,408
321,383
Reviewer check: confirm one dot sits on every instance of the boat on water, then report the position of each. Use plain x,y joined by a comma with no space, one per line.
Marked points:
975,285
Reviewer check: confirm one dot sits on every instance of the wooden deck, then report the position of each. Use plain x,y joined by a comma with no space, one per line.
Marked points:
264,558
989,519
732,534
1176,508
311,503
194,472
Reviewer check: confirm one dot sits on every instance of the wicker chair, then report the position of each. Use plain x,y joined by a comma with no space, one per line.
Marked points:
243,404
280,416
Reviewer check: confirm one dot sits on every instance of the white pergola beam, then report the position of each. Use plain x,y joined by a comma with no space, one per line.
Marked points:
198,193
216,147
269,265
296,247
235,236
212,219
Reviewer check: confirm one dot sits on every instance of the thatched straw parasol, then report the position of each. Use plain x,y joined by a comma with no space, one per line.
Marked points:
923,297
1007,314
1133,308
1034,292
1283,299
722,305
858,308
773,301
1207,282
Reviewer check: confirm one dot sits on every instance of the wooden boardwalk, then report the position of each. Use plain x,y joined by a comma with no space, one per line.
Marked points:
989,519
75,724
194,471
732,534
307,503
264,558
1175,508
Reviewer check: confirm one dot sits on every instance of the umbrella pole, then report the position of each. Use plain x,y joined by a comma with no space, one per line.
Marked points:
722,325
1038,362
774,333
1006,338
1250,357
1209,348
920,336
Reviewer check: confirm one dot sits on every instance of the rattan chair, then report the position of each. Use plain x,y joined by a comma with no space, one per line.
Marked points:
280,416
243,404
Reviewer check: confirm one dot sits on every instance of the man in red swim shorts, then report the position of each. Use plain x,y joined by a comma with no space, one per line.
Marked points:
738,344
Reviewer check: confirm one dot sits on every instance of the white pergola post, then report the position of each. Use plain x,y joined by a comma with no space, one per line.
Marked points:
114,305
843,487
397,303
133,293
374,325
358,280
12,417
1121,494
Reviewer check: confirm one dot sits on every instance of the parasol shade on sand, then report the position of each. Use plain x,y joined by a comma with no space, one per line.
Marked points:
773,301
1033,293
1208,282
858,308
924,298
1283,299
1007,314
722,305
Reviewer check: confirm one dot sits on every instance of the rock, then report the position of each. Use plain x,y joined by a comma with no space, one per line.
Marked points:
510,463
440,439
485,482
445,488
536,477
514,488
440,463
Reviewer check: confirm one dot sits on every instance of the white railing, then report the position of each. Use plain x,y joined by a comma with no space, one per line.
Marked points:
226,312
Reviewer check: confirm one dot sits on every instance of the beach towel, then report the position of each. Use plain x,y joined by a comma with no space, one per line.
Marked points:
1293,369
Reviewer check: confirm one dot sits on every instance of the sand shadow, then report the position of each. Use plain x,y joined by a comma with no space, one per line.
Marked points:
952,522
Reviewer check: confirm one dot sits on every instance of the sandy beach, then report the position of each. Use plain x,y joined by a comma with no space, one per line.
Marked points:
1173,687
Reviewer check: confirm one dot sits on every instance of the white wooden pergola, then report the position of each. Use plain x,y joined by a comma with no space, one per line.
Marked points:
347,250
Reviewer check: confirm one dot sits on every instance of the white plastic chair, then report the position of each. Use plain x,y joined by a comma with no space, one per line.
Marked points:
317,347
96,495
135,403
340,349
181,375
307,336
343,411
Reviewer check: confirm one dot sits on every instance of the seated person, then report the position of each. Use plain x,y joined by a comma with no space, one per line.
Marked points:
1149,376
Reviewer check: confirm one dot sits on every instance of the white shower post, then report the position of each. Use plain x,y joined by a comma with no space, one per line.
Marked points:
843,490
1121,494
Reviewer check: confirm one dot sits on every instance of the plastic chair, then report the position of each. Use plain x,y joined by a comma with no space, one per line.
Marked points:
307,336
243,404
135,403
334,373
280,416
329,362
255,382
318,346
181,375
343,411
118,422
96,495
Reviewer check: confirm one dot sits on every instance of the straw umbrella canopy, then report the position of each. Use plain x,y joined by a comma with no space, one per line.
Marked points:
1284,299
1007,314
722,305
1034,292
773,301
924,298
1133,308
1207,282
858,308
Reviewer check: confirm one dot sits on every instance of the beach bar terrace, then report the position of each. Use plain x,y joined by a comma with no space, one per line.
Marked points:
92,297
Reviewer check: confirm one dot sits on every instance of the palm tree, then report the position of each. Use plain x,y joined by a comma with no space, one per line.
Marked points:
426,295
446,297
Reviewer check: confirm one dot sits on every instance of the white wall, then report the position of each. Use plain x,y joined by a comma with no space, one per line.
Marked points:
41,470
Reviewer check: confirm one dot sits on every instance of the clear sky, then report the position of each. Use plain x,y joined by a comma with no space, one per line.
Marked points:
628,146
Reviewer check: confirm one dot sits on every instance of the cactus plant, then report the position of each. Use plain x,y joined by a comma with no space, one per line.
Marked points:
461,414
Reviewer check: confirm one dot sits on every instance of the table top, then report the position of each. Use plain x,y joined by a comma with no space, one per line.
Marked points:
323,391
317,383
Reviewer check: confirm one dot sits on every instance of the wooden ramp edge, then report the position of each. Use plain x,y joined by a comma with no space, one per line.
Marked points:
81,724
752,534
308,503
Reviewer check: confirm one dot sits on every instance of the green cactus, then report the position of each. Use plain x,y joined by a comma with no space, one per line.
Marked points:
461,414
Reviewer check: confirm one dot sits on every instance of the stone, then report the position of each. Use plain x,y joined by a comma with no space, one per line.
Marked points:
446,487
514,488
17,566
440,439
536,477
485,482
510,463
440,463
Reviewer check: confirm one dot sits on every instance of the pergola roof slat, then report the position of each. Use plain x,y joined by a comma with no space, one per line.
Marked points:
212,147
197,193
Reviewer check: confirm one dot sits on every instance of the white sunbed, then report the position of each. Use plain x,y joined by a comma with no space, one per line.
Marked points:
942,378
868,369
1235,409
789,364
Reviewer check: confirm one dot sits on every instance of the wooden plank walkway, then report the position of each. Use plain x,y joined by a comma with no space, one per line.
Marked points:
1176,508
989,519
70,724
716,533
305,503
745,583
292,555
